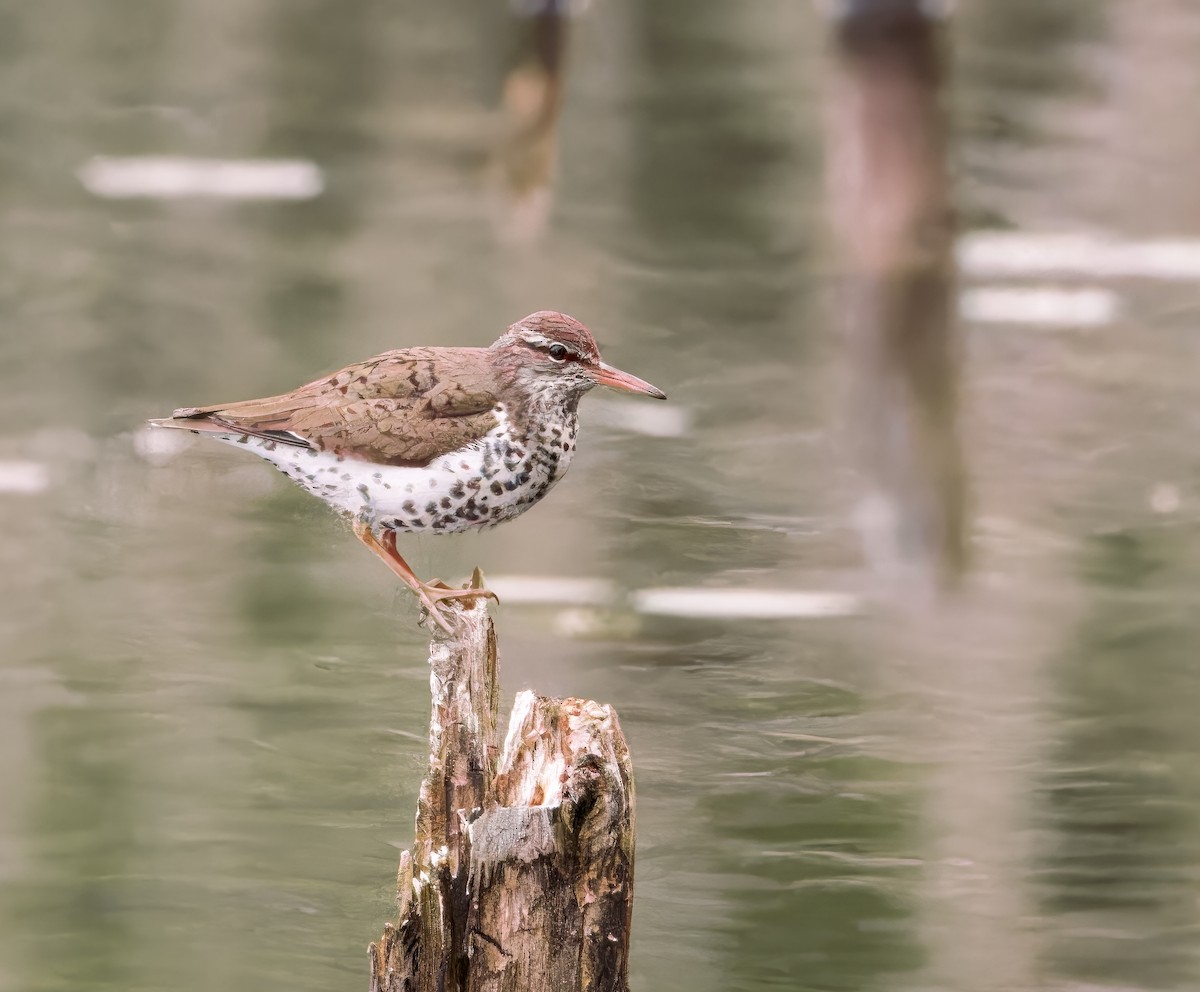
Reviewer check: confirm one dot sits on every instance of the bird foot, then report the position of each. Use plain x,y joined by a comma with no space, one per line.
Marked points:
435,591
430,593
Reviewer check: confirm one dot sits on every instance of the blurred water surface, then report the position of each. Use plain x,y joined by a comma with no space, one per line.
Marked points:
213,702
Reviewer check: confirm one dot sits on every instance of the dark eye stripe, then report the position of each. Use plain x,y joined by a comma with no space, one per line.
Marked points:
570,356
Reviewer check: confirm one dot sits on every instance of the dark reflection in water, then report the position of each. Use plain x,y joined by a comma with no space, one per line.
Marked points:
524,159
893,215
817,830
709,150
1120,856
88,831
716,174
1012,60
123,311
323,90
212,703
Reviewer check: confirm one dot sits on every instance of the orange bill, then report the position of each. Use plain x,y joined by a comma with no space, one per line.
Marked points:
606,375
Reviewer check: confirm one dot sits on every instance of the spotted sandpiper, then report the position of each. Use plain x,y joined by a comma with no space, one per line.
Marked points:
429,440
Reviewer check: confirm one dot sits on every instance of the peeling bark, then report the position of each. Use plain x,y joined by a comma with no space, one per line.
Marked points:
521,875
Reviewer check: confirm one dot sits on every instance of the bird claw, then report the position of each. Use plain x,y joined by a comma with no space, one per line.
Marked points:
437,615
433,592
430,593
439,590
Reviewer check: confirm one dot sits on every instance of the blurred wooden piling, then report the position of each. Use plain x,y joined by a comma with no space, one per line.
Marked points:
526,153
893,216
521,875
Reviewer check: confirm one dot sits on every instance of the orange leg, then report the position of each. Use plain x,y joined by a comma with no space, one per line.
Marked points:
429,593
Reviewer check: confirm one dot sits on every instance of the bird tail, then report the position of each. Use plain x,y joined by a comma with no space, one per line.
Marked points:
192,420
211,420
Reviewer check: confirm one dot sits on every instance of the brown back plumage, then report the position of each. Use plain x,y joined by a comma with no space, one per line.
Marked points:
410,406
403,407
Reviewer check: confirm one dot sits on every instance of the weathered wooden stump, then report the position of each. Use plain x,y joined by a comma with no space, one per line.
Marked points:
521,874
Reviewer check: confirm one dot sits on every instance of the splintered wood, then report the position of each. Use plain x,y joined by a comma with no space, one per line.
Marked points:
521,876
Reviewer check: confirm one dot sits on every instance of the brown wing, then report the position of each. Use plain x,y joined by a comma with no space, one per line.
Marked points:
404,407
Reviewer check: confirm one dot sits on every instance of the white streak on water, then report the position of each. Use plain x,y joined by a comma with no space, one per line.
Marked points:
168,177
1026,253
723,604
26,478
747,604
1047,306
1165,497
551,590
640,418
159,446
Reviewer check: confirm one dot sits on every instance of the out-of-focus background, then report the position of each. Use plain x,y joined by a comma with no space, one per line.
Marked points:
213,702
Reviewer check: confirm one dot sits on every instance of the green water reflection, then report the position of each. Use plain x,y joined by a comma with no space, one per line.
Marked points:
212,702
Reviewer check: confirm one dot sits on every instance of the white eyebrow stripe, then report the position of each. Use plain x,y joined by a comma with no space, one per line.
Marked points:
540,341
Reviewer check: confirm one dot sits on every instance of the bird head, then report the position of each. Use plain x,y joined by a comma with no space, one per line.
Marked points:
552,355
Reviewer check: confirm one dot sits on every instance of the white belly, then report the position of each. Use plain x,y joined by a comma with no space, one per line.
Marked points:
492,481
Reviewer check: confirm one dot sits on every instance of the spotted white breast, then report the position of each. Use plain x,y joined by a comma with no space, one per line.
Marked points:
491,480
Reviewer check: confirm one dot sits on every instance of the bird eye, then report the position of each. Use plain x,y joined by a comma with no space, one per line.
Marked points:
558,352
